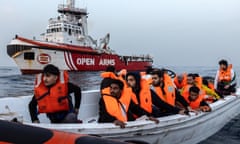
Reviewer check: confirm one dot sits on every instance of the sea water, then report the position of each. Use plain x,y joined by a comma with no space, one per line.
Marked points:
13,84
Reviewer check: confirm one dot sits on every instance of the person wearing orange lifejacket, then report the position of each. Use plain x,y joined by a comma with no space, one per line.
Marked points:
165,89
207,86
108,76
225,79
196,80
111,74
210,95
180,80
52,96
116,105
192,80
196,100
148,99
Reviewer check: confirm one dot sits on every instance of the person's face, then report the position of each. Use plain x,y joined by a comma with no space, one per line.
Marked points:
131,81
190,80
156,80
223,67
115,90
49,79
193,96
180,78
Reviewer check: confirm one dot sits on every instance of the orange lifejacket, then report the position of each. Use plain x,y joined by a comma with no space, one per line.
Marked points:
194,104
113,76
198,81
108,75
54,99
225,76
147,77
117,108
145,97
211,86
185,90
181,84
169,89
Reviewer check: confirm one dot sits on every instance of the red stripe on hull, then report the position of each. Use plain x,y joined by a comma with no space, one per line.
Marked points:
67,60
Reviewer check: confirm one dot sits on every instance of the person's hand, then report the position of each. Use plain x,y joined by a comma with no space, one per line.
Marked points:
36,121
119,123
182,112
234,94
205,108
192,110
226,86
153,119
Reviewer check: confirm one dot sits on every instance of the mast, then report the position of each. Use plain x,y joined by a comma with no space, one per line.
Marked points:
71,3
75,14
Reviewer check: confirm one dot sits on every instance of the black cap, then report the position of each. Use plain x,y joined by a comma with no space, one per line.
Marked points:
51,69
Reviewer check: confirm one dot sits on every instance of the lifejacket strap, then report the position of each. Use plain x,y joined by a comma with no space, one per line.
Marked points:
42,96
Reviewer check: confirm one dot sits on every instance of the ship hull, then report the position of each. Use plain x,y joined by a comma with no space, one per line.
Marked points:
32,56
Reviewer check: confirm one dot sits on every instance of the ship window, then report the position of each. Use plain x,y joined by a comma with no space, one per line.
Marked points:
29,56
69,32
65,29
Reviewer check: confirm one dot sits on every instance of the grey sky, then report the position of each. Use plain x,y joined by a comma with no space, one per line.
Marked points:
174,32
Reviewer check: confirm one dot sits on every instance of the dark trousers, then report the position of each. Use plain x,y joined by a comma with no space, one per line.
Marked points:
222,91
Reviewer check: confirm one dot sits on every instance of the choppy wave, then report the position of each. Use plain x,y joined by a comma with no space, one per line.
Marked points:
13,83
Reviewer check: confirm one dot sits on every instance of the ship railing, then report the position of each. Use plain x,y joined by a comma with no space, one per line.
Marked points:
66,8
146,58
55,20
